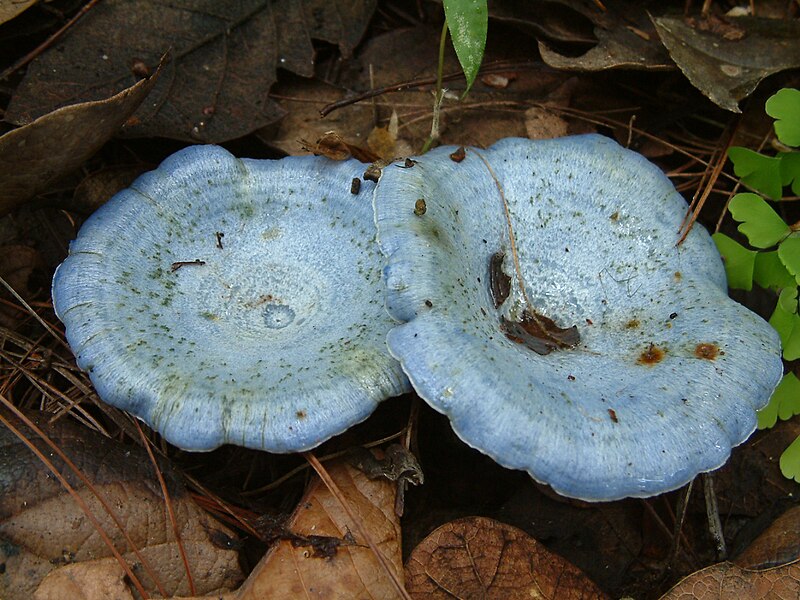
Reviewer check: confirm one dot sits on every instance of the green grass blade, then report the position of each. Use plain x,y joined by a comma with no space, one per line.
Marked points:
468,21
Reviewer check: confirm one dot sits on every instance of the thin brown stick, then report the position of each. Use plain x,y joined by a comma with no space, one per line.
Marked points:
683,501
416,83
697,206
170,510
47,389
511,237
222,506
337,493
396,87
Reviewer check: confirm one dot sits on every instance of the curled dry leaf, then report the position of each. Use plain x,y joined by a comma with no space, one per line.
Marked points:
43,528
727,581
727,67
331,145
621,35
352,570
226,56
482,558
37,154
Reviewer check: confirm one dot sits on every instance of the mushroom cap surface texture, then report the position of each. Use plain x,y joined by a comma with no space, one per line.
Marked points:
643,372
226,300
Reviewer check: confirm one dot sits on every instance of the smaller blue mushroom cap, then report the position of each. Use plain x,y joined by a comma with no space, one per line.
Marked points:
233,301
588,349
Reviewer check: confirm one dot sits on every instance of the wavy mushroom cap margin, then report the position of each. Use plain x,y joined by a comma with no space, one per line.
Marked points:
234,301
592,352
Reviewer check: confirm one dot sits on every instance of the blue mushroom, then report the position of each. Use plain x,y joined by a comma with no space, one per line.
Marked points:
233,301
551,315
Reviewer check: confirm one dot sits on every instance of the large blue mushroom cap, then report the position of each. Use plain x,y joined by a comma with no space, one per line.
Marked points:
233,301
589,349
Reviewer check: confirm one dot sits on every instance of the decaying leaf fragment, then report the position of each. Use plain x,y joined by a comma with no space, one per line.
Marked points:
778,545
302,125
226,56
727,581
331,145
352,570
483,558
38,153
11,8
619,35
727,63
43,529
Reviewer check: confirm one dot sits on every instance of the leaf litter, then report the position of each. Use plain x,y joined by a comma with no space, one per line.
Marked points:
39,153
42,529
621,546
225,57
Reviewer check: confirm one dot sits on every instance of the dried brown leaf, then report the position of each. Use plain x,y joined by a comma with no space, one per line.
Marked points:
102,579
226,56
482,558
353,571
778,545
302,99
620,35
543,124
331,145
727,581
42,527
11,8
728,69
37,154
604,540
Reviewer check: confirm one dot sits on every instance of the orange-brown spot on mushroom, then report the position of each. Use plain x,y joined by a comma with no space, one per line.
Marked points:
651,356
300,414
677,275
706,351
613,414
614,216
632,324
